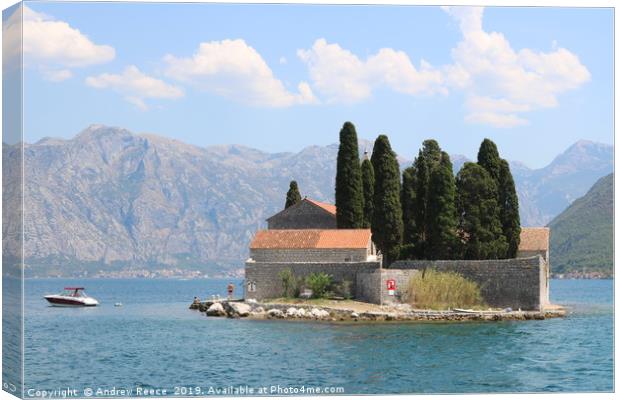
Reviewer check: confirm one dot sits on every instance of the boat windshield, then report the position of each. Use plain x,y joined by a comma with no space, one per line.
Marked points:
72,293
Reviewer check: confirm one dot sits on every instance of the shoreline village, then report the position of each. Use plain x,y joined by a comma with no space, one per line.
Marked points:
437,248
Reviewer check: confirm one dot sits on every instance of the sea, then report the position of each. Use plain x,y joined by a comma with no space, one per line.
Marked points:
153,345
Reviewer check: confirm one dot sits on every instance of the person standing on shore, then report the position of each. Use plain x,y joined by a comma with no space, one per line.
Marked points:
230,288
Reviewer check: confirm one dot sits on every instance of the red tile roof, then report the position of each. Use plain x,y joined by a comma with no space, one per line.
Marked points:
533,239
330,208
311,239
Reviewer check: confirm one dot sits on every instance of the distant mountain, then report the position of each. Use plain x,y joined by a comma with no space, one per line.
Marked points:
582,235
544,193
111,199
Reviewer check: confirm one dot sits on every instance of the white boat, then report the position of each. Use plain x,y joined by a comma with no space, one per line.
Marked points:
71,297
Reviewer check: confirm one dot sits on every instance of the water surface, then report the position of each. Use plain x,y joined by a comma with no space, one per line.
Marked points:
154,341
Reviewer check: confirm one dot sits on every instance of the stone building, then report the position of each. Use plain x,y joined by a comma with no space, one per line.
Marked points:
534,241
307,214
304,239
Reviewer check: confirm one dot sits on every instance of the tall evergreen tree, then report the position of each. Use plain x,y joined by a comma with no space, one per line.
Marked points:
387,222
480,226
349,194
488,158
368,187
428,159
441,241
408,201
292,196
509,209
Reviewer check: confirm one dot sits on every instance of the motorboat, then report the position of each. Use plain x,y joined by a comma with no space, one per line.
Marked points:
71,297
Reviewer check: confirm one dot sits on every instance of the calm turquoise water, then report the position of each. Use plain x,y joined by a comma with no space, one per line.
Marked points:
155,342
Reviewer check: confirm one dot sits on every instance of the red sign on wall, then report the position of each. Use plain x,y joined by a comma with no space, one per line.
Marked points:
391,285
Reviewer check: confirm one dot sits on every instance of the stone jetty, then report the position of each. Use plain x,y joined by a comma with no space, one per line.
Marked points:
389,313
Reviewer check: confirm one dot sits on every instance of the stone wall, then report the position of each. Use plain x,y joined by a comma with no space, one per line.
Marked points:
371,286
516,283
302,216
264,278
309,255
533,253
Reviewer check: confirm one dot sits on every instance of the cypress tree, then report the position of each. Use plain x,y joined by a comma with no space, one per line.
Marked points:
442,226
509,209
387,221
428,159
488,158
292,196
349,194
480,227
368,187
408,200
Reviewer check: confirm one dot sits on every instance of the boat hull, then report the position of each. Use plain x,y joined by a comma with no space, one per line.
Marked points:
62,301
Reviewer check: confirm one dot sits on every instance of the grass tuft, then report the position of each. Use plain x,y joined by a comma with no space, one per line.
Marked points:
443,290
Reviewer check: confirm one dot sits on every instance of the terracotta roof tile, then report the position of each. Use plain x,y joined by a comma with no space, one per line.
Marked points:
311,239
533,239
330,208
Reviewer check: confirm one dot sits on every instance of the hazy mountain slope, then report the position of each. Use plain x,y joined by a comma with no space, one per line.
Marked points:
112,199
582,235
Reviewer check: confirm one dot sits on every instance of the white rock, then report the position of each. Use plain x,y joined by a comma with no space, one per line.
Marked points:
274,312
354,315
250,301
319,314
292,312
301,313
240,309
259,310
216,310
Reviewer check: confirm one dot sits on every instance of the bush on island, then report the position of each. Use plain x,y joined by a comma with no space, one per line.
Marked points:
431,289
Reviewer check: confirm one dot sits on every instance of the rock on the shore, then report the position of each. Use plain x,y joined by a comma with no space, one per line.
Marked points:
236,309
319,314
216,310
275,313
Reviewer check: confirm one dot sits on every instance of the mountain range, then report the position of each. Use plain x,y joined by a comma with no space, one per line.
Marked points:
109,197
582,236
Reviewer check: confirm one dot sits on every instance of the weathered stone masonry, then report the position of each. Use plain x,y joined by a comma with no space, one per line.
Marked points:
308,255
516,283
267,283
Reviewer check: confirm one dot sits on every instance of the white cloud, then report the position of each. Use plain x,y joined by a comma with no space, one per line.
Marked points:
53,47
341,76
53,43
500,82
283,60
135,86
235,70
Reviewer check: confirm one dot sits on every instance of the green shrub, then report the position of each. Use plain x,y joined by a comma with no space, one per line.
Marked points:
431,289
319,283
289,283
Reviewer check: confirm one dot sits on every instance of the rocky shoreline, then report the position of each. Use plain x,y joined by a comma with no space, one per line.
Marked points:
388,313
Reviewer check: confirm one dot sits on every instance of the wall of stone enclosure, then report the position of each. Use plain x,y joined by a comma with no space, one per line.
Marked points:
264,277
371,286
308,255
516,283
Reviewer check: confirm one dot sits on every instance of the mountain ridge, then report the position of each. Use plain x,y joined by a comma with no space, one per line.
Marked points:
115,198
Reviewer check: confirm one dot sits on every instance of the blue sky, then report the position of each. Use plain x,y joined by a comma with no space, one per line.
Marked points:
282,77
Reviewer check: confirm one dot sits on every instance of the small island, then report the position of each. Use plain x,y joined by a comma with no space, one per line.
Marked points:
429,247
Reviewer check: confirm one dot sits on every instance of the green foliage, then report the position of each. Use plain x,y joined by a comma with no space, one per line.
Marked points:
480,227
509,209
407,252
408,200
319,283
368,187
289,282
441,240
488,158
292,196
428,159
387,222
582,236
349,194
442,290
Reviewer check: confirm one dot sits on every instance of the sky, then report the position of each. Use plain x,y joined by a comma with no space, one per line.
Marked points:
282,77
